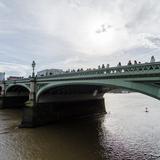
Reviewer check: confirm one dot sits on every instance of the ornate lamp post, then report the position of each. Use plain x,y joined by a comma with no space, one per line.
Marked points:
33,67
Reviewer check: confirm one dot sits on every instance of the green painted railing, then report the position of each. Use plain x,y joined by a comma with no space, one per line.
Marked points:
134,69
144,68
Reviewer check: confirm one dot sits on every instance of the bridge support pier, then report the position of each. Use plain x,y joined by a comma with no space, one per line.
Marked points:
2,102
2,95
29,111
59,111
47,113
28,118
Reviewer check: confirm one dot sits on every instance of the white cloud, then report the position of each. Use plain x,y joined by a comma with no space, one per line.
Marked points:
62,34
14,69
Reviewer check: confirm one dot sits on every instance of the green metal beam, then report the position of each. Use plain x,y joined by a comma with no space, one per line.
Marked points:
134,86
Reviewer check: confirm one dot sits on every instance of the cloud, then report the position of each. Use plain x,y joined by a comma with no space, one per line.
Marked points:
62,34
14,69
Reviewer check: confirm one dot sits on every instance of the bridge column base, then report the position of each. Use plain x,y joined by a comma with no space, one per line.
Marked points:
2,102
48,113
28,118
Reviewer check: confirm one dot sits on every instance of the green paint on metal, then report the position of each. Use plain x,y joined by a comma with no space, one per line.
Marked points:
22,85
134,86
143,78
41,85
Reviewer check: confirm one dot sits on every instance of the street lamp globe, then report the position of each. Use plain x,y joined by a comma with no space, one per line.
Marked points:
33,66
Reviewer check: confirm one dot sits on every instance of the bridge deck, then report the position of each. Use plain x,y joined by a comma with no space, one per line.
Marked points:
128,71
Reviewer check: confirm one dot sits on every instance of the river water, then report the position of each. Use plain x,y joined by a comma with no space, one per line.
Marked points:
127,132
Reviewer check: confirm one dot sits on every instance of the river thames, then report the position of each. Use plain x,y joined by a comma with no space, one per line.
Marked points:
127,132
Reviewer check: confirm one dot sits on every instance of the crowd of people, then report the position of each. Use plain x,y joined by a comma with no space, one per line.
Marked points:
152,60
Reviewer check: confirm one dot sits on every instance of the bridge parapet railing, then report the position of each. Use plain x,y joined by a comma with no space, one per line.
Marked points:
128,69
145,68
24,80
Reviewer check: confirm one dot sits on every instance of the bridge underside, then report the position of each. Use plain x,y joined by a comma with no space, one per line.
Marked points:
68,93
16,96
75,99
68,102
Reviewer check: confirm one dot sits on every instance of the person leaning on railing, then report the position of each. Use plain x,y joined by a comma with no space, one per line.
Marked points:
152,59
103,66
119,64
135,62
129,62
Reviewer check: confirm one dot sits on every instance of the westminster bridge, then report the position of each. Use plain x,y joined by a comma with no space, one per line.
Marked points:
51,98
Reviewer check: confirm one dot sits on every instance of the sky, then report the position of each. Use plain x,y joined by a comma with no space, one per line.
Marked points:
76,33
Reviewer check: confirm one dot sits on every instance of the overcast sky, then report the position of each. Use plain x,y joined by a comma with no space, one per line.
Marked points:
76,33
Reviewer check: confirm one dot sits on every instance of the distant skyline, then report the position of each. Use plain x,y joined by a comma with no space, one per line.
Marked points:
76,33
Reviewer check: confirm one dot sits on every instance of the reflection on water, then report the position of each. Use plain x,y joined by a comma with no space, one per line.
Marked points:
127,132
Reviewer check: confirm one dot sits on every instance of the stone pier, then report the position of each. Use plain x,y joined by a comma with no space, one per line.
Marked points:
46,113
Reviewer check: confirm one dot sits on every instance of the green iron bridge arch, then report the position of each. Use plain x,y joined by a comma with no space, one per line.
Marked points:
141,87
15,86
79,86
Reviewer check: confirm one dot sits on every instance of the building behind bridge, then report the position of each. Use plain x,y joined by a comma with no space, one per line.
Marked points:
2,76
13,78
49,72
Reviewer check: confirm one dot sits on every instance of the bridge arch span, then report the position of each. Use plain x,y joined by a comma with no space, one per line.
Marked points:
16,95
90,88
107,85
17,87
71,92
69,100
56,101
